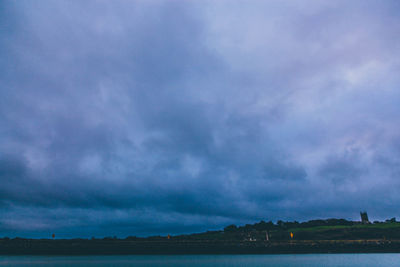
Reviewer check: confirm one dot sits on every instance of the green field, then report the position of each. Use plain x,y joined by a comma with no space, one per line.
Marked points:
357,226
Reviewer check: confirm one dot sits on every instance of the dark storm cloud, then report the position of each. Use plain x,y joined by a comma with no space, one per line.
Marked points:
165,117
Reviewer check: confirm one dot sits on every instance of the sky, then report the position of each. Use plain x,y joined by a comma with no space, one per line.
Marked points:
122,118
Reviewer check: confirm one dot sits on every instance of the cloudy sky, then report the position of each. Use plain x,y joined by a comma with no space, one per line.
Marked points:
154,117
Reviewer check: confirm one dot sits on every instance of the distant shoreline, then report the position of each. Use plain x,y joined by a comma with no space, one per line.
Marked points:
315,236
124,247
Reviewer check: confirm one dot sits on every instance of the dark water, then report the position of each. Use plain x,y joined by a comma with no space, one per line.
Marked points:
309,260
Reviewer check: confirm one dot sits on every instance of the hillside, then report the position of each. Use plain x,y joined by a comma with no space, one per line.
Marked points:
316,236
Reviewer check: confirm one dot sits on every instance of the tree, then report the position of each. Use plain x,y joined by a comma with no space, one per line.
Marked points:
230,228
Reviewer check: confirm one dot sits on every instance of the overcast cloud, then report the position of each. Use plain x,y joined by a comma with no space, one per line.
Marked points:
155,117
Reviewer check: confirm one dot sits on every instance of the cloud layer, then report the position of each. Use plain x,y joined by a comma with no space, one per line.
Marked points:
139,118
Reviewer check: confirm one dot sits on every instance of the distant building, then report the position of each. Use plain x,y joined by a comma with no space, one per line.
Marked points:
250,238
364,217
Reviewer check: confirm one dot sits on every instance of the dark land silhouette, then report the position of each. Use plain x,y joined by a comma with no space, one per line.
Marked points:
315,236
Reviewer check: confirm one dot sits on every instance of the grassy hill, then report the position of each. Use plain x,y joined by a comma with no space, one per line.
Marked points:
331,229
316,236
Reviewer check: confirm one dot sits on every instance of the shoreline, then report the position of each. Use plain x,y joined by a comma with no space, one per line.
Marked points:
124,247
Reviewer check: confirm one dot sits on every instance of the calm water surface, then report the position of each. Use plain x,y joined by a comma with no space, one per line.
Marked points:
309,260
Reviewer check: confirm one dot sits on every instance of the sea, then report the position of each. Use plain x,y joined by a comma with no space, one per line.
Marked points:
309,260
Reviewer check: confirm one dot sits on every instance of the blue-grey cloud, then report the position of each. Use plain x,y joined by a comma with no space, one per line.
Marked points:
138,118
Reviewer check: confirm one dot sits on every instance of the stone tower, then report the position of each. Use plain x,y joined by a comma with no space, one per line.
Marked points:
364,217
